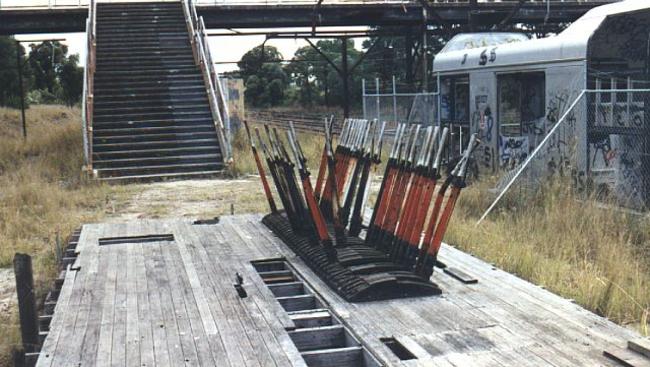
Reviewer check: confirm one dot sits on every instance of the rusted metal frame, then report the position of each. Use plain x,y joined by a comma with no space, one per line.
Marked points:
413,197
413,240
288,177
385,189
281,181
428,259
282,191
260,169
511,14
337,167
402,178
334,162
374,158
314,16
350,160
318,221
322,168
351,168
335,209
364,155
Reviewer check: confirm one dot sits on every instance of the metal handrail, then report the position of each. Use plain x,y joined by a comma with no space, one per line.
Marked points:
216,81
88,86
201,50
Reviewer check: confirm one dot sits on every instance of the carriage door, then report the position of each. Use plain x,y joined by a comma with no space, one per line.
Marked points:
454,111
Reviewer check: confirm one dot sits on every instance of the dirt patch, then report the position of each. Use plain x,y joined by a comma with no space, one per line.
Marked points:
7,292
191,198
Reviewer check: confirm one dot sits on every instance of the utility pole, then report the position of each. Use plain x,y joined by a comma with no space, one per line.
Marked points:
344,76
22,92
425,68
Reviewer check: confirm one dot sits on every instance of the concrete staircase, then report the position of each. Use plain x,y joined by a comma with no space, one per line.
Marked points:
152,117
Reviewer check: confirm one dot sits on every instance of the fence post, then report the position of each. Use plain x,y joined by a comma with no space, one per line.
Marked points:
363,97
394,101
377,92
26,302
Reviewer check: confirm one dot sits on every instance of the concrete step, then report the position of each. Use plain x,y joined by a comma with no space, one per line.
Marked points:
188,75
153,122
188,143
192,91
135,117
124,110
165,137
143,131
164,175
151,30
166,100
170,49
156,161
160,170
123,154
110,88
143,67
161,73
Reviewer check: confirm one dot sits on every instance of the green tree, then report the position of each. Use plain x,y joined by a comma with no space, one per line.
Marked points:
46,61
9,87
316,80
71,78
252,61
265,80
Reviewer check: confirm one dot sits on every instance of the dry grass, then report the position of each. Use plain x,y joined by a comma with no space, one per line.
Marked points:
579,249
42,194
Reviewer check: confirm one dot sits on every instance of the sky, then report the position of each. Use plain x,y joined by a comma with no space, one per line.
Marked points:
223,49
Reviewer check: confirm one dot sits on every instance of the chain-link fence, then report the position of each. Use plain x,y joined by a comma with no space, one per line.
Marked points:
395,103
600,147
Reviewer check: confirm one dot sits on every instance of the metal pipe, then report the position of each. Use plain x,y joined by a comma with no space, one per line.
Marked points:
530,157
394,100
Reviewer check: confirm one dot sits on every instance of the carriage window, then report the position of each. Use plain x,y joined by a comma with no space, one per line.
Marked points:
455,100
521,101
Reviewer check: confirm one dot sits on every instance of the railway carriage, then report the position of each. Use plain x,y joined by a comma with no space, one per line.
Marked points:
513,91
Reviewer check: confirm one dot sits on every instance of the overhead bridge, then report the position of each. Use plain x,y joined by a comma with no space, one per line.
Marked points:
70,15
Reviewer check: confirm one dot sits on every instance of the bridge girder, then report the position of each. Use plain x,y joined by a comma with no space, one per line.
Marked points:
283,15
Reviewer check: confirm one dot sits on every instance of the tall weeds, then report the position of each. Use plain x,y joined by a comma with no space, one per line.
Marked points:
42,193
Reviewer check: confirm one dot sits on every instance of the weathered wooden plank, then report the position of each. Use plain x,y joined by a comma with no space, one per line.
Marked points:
145,333
460,275
640,345
118,348
132,334
178,301
159,329
626,357
61,312
87,336
212,296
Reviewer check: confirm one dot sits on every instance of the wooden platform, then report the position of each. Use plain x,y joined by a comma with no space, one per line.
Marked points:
153,301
